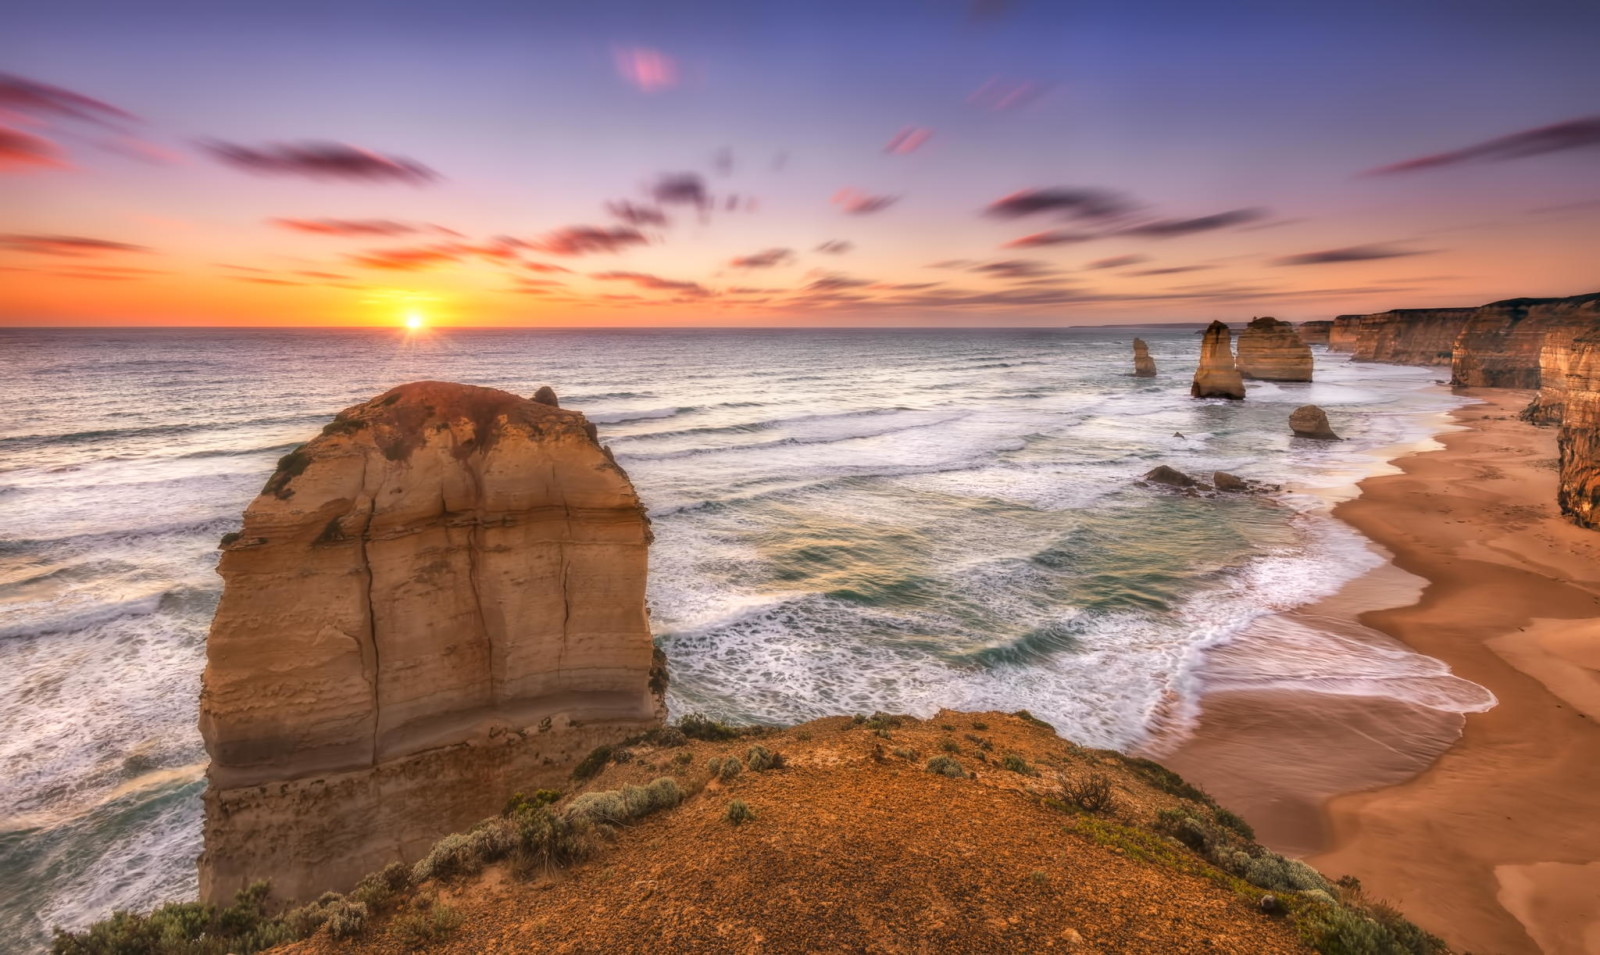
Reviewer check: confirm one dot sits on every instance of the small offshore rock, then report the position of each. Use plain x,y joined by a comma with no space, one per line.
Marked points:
1309,421
1171,477
1229,482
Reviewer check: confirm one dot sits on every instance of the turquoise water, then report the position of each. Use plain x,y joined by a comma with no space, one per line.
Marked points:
846,521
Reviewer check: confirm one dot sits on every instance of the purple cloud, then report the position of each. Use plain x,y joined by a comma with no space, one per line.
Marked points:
1117,261
635,214
654,282
321,160
857,203
1052,237
584,239
1581,133
765,259
1172,228
1353,253
1076,203
681,188
19,95
71,246
835,247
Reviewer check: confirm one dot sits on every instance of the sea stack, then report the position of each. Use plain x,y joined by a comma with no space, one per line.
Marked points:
435,602
1269,350
1309,421
1143,365
1217,377
1578,444
1314,333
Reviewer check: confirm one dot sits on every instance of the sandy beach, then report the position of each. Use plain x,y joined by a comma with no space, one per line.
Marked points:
1478,845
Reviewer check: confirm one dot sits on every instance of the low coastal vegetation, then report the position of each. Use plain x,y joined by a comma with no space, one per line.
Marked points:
792,789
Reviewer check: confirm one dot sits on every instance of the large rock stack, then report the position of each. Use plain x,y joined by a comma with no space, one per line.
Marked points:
1269,350
437,601
1217,376
1143,365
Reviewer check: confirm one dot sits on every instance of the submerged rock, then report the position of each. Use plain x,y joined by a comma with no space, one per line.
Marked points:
1143,365
1310,421
437,601
1270,350
1217,377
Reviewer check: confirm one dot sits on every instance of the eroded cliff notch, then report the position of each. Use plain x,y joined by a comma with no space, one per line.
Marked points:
436,601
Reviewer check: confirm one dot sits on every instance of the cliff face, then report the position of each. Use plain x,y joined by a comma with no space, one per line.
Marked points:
1407,336
438,600
1314,333
1567,320
1342,333
1270,350
1217,377
1500,346
1143,365
1579,440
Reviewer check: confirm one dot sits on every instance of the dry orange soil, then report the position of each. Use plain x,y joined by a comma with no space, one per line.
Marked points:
856,849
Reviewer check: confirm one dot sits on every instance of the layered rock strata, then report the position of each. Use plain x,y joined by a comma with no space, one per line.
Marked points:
435,602
1314,333
1579,442
1406,336
1501,345
1217,376
1143,365
1269,350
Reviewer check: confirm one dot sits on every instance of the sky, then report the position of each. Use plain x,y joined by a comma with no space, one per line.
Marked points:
923,163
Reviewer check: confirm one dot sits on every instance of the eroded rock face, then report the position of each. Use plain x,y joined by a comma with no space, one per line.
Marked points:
435,602
1563,322
1314,333
1404,336
1270,350
1217,376
1310,421
1143,365
1501,345
1579,440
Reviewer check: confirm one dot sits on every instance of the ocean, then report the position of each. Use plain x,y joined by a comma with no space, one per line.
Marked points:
846,521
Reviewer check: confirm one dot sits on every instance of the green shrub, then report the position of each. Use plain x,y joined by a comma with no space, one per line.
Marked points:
1017,764
1027,717
945,766
346,919
540,797
738,813
950,746
184,928
760,759
725,768
884,721
1377,930
1091,794
980,727
549,840
683,759
428,926
909,755
698,726
1235,822
607,807
378,889
592,764
1166,780
979,742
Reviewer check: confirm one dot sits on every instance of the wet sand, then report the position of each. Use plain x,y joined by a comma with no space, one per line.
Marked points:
1492,842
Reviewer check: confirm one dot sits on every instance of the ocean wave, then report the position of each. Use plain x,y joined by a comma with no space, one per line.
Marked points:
30,442
619,417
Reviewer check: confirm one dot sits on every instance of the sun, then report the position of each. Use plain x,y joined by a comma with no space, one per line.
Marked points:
414,321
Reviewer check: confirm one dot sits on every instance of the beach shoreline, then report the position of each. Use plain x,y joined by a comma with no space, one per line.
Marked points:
1486,577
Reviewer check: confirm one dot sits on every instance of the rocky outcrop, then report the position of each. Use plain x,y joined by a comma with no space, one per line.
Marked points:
1579,442
435,602
1170,477
1269,350
1143,365
1314,333
1310,421
1405,336
1217,376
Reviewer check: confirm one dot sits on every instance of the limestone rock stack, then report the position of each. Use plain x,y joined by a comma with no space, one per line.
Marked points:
1579,440
1314,333
435,602
1217,376
1143,365
1270,350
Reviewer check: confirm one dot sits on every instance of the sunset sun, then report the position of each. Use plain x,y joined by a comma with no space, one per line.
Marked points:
414,322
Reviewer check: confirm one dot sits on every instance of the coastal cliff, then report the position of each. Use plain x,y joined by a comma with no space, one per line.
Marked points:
1579,441
438,599
1269,350
1502,345
1569,319
1315,333
1217,376
1406,336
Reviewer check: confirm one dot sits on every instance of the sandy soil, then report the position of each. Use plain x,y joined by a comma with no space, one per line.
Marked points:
1495,846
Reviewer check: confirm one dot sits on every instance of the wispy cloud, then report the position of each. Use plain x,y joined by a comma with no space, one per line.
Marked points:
999,93
20,149
359,227
1016,268
1352,253
19,95
681,188
908,140
765,259
1581,133
835,247
1052,237
653,282
857,203
1174,270
1117,262
635,214
1077,203
586,239
72,246
320,160
1172,228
